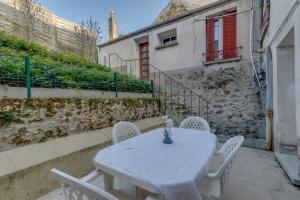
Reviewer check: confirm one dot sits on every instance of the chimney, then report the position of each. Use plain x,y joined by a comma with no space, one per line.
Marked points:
113,32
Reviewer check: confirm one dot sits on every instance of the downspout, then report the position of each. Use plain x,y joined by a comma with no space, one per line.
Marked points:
269,102
251,43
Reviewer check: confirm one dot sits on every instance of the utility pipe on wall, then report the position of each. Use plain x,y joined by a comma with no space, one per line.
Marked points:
251,43
269,102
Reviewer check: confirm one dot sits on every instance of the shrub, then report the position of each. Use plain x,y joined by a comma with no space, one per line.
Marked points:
52,69
6,118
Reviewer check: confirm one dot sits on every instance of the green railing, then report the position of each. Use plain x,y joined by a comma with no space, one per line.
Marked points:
25,73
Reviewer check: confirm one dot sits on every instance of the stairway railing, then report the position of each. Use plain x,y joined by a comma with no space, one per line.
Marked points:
173,95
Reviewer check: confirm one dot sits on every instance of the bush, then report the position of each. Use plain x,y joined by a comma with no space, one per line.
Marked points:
52,69
6,118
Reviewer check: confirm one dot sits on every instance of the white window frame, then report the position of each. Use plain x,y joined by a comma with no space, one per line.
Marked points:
170,40
220,36
167,35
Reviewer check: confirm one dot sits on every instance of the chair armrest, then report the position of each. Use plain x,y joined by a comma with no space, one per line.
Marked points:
214,175
91,176
218,152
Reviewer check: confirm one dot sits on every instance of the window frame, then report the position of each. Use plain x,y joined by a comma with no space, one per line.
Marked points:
215,37
170,42
167,38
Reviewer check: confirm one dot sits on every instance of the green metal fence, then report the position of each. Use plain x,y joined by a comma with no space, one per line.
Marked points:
20,74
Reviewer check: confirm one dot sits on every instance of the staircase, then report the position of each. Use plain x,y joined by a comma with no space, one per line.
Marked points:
177,101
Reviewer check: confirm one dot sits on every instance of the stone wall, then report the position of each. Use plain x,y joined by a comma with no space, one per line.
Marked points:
52,31
236,103
32,121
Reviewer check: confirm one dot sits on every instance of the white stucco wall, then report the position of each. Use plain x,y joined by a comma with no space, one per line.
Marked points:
279,11
297,74
191,37
286,95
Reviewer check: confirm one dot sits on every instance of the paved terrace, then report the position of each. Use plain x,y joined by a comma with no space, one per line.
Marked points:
256,175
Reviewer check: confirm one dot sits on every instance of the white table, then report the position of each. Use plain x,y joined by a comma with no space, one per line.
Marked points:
171,170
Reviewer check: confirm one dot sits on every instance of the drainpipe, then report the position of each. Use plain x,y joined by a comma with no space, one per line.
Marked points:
269,125
251,43
269,101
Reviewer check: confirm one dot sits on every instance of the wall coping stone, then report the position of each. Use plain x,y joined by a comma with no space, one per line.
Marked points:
21,92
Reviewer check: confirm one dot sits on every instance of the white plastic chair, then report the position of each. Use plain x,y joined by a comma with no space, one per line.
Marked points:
123,131
81,189
196,123
77,189
213,184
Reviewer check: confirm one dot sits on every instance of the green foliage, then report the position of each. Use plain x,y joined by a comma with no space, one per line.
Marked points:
57,70
6,118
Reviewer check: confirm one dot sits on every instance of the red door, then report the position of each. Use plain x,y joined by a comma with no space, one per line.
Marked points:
229,36
144,61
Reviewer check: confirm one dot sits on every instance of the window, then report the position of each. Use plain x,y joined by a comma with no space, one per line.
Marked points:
221,37
169,40
217,39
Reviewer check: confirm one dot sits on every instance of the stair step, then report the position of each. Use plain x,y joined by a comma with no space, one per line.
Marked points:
178,106
183,111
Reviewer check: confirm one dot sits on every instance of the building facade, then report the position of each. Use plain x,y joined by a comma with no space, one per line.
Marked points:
50,30
281,42
208,51
182,42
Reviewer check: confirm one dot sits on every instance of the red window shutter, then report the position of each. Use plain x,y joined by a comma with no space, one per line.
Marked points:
229,36
210,39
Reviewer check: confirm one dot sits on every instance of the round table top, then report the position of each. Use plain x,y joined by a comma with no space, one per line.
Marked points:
170,168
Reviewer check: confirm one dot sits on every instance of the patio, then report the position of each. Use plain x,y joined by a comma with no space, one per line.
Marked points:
255,175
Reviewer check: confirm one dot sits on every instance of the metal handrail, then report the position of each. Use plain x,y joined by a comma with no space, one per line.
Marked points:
161,72
218,54
120,61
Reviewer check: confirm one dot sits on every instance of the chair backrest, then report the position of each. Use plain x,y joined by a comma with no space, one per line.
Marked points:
228,152
123,131
196,123
76,189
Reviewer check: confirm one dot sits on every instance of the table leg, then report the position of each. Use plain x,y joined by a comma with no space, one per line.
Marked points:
138,193
108,181
142,194
153,197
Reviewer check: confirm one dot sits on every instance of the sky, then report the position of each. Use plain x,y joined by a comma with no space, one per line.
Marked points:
131,14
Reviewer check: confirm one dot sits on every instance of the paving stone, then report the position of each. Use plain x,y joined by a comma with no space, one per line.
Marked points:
255,175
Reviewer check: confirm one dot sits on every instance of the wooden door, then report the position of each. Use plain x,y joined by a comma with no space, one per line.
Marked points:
144,61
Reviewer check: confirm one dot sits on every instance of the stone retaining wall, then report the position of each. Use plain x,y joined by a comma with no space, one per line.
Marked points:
236,103
24,122
25,171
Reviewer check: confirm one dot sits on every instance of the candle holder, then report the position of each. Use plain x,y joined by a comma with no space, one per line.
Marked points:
167,139
167,130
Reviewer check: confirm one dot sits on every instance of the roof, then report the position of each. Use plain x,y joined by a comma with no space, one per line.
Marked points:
168,21
176,7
